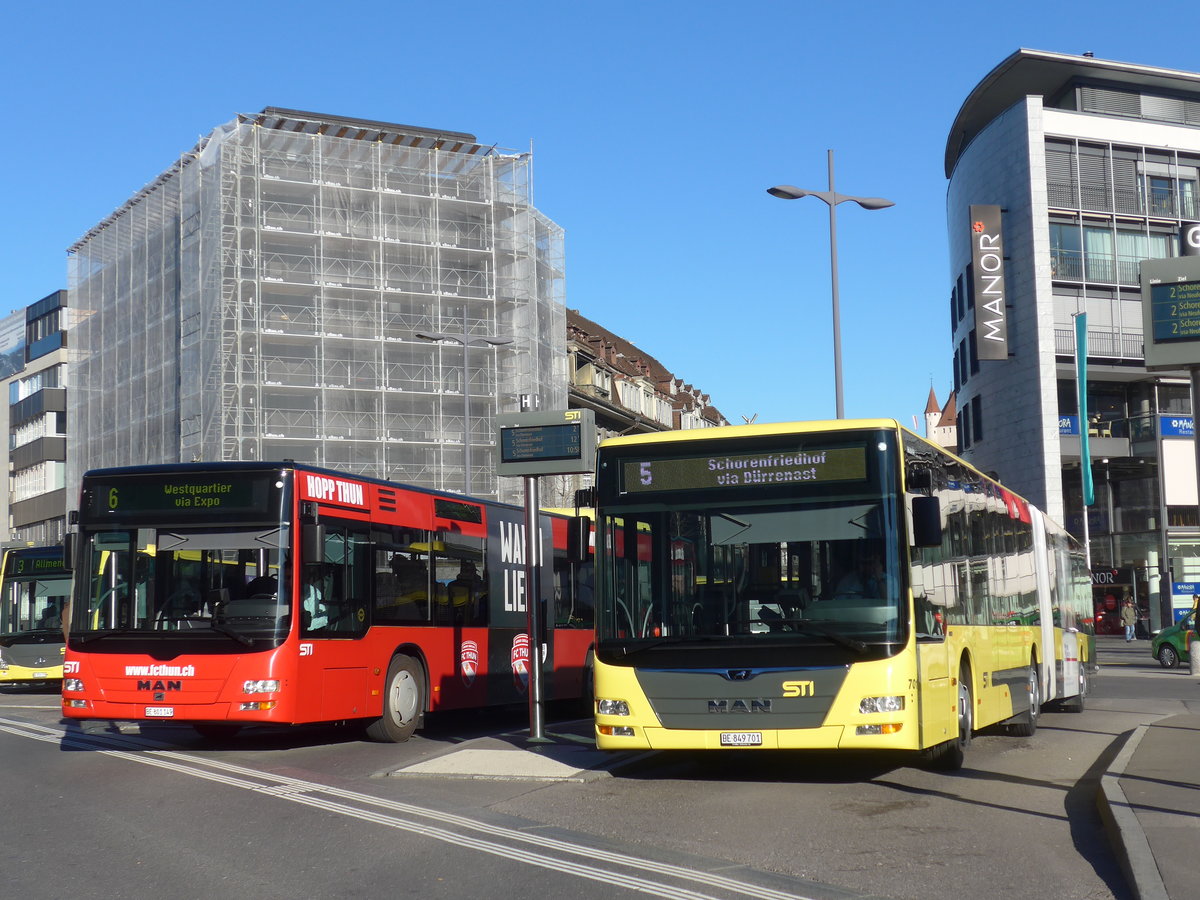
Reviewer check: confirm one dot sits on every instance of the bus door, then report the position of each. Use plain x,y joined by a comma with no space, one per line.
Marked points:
333,601
1050,616
936,604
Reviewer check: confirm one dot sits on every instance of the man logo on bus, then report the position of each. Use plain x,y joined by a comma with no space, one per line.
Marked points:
159,686
468,661
519,658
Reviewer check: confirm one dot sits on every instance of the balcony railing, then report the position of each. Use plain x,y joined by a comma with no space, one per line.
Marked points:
1106,344
1072,265
1156,202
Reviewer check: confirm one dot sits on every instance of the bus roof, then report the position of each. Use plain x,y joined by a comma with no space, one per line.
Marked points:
757,430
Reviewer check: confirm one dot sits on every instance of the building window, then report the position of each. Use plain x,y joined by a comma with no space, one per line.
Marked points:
1175,399
976,420
1066,252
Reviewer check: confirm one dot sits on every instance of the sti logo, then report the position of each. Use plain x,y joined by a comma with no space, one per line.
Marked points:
977,227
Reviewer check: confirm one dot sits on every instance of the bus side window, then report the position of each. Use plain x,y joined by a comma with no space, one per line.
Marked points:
335,594
460,587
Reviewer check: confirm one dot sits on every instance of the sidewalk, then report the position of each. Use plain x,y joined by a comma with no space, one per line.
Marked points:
1149,800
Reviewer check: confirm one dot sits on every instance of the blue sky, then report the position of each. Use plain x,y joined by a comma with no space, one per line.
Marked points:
656,129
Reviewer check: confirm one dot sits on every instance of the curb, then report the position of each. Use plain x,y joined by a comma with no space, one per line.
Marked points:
1125,831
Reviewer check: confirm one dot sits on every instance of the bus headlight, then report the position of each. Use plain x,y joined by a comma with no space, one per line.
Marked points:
72,684
881,704
612,707
263,686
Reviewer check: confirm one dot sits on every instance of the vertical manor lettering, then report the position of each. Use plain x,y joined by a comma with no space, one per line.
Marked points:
987,260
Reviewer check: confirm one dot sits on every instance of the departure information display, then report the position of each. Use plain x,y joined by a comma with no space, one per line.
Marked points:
765,470
536,443
1175,311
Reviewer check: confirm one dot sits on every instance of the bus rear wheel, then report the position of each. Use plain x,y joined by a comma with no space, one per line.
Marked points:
1027,724
403,702
1075,704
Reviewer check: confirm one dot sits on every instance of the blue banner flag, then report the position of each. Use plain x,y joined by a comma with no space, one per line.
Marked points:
1085,454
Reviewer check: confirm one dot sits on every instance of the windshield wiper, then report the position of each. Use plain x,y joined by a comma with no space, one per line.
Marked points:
101,635
834,636
231,632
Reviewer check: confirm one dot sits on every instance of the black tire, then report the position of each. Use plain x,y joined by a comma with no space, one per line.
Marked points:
1027,725
216,731
403,702
1075,704
1168,656
949,756
587,698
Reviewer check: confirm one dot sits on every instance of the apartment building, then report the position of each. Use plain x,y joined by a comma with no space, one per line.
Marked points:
33,368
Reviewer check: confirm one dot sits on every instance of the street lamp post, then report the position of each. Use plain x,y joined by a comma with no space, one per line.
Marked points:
832,198
466,340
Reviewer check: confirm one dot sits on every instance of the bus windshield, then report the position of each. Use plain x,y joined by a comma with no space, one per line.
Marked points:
789,570
191,582
32,602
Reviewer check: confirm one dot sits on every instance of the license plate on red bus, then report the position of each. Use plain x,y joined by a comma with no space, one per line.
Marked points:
741,738
160,712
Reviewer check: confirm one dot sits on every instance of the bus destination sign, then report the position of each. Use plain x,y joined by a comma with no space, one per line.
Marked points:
785,467
187,496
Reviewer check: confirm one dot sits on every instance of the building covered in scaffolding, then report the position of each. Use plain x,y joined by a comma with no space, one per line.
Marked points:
355,294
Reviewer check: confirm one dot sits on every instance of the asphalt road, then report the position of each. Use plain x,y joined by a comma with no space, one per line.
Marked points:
123,811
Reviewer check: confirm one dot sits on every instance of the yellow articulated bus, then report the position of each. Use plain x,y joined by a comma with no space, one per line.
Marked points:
34,588
826,585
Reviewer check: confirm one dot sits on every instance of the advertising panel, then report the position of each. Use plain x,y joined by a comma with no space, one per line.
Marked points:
987,261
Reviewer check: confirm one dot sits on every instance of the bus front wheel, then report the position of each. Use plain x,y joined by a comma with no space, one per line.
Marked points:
403,702
949,756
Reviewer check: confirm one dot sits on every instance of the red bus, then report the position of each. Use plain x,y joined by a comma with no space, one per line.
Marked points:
230,594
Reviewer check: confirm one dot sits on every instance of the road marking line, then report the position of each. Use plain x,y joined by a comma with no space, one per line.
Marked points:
325,797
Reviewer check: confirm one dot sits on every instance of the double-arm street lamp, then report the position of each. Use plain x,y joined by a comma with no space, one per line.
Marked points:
467,340
832,198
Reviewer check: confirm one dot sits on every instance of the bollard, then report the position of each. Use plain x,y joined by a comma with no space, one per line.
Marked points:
1194,654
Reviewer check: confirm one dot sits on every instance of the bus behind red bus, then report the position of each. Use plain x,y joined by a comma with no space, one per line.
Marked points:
231,594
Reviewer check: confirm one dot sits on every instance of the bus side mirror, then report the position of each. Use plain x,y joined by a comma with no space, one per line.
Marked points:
927,522
68,562
579,534
312,542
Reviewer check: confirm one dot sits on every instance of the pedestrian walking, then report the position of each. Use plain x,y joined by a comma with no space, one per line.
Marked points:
1129,619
